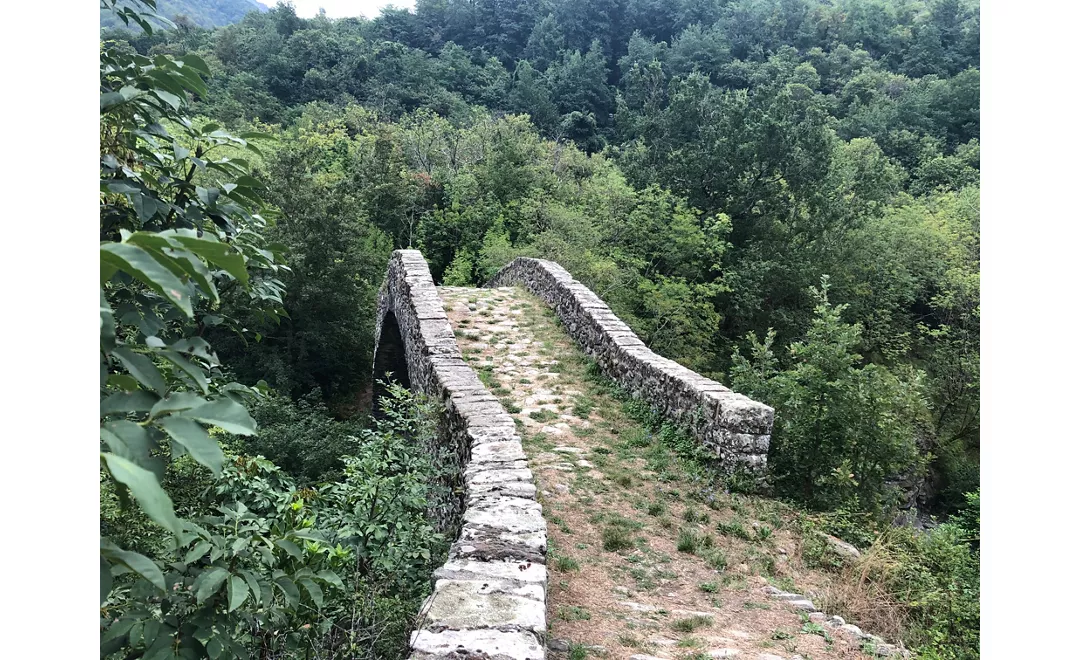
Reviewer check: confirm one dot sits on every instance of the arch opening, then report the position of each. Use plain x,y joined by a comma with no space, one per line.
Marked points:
390,362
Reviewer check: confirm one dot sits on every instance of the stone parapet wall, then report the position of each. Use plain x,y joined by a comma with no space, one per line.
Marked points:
733,426
490,595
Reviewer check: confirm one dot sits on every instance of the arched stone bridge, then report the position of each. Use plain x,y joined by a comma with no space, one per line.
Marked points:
490,595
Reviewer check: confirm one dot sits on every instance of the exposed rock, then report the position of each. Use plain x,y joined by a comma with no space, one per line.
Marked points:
723,653
842,548
482,643
637,607
559,645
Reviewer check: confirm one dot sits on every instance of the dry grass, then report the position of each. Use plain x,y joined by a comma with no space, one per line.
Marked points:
859,594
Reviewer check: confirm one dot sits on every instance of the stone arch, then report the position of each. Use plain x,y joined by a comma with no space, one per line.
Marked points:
389,359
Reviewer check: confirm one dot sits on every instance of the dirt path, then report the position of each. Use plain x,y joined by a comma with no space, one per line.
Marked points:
643,559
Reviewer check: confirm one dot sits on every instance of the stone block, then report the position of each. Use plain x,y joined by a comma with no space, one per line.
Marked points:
461,644
465,604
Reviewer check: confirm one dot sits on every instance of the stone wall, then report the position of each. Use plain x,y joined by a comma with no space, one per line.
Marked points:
490,595
734,426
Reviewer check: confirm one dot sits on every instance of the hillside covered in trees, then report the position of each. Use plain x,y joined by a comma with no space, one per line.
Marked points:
782,195
203,13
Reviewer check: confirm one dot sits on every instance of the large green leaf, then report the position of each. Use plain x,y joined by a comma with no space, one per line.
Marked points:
106,579
253,584
143,485
191,370
221,255
313,590
290,547
197,63
332,578
175,402
196,553
204,449
198,347
181,262
141,264
136,562
108,325
209,582
141,368
195,269
288,588
125,402
225,413
238,592
128,439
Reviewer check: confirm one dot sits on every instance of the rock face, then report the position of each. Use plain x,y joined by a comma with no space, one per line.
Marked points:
490,596
733,426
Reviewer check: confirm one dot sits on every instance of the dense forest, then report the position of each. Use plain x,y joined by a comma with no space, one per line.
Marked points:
203,13
780,194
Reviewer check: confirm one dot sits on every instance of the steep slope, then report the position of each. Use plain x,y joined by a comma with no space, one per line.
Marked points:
645,557
204,13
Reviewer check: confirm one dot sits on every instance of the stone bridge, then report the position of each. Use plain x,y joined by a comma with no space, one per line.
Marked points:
490,595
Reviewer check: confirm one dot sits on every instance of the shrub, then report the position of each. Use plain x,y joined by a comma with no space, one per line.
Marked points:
842,431
688,541
616,538
566,564
717,559
300,437
573,613
275,569
733,528
690,624
923,587
543,415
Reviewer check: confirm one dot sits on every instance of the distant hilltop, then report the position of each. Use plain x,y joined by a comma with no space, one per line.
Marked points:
205,13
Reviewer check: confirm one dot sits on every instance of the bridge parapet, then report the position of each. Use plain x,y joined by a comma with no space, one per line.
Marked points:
736,428
490,595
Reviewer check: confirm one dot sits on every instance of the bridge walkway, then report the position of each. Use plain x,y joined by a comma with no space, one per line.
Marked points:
647,556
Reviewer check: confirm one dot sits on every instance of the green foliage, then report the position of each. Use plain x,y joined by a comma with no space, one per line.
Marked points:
616,538
301,438
460,271
936,576
689,541
842,430
698,165
271,569
244,562
182,246
690,624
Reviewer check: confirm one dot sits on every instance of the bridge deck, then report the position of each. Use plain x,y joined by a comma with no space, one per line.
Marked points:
620,505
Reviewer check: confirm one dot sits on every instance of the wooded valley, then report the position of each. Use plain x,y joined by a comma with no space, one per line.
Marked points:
782,195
